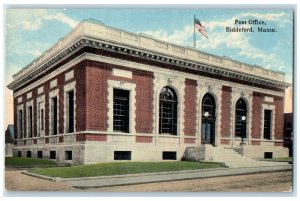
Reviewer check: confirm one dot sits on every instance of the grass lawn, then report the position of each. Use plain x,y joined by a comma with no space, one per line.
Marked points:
27,162
285,159
120,168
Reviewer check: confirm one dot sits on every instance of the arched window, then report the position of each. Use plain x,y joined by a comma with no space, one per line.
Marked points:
208,119
240,118
208,105
168,111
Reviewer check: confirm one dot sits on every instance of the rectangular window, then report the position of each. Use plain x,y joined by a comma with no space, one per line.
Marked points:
70,112
28,154
268,155
169,155
52,154
54,115
267,124
19,153
121,110
29,122
40,154
40,118
122,155
68,155
20,124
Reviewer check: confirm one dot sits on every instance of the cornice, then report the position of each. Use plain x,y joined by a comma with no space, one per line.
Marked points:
143,54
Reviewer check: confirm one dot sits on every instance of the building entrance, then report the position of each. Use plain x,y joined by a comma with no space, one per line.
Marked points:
208,120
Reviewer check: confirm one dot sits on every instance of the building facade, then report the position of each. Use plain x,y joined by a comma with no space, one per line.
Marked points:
102,94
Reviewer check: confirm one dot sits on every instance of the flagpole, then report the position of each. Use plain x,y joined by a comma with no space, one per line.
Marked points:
194,34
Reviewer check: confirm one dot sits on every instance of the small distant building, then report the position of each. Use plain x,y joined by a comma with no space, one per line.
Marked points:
9,140
9,134
288,132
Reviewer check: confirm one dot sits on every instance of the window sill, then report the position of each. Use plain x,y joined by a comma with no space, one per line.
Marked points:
168,135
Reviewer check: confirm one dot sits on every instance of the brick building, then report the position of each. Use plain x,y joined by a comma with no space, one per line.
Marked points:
103,94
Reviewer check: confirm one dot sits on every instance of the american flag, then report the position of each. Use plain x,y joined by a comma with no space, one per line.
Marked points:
200,28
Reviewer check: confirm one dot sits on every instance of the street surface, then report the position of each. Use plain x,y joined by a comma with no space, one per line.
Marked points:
263,182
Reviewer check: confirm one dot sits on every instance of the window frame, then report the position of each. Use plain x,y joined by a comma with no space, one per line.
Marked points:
20,123
168,107
40,116
268,126
123,101
242,112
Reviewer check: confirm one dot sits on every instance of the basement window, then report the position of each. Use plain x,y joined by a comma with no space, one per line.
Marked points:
52,154
122,155
28,154
68,155
40,154
19,153
169,155
268,154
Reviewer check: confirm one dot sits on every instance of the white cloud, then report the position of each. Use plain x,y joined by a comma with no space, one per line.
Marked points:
62,18
32,19
179,37
268,16
30,49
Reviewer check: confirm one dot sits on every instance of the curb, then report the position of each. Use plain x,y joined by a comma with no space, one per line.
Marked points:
128,179
54,179
108,182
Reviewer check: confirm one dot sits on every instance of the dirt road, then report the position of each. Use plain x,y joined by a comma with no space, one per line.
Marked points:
264,182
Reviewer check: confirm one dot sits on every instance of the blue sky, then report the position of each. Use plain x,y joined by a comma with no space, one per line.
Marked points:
30,32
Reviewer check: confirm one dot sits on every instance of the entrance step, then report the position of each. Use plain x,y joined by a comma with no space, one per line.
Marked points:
235,160
228,156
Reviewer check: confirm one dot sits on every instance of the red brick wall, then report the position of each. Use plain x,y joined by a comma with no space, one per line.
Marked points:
96,97
47,112
226,111
60,85
90,137
97,74
61,101
190,107
279,118
256,115
144,101
224,141
80,77
189,140
255,143
258,100
143,139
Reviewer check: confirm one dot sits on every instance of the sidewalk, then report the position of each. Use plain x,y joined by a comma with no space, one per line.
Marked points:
105,181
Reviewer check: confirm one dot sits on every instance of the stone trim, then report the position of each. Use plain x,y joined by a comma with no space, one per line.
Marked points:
53,83
29,104
132,103
52,94
20,99
122,73
41,90
29,95
133,65
177,84
272,108
171,59
215,89
67,88
40,105
69,75
246,94
20,107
